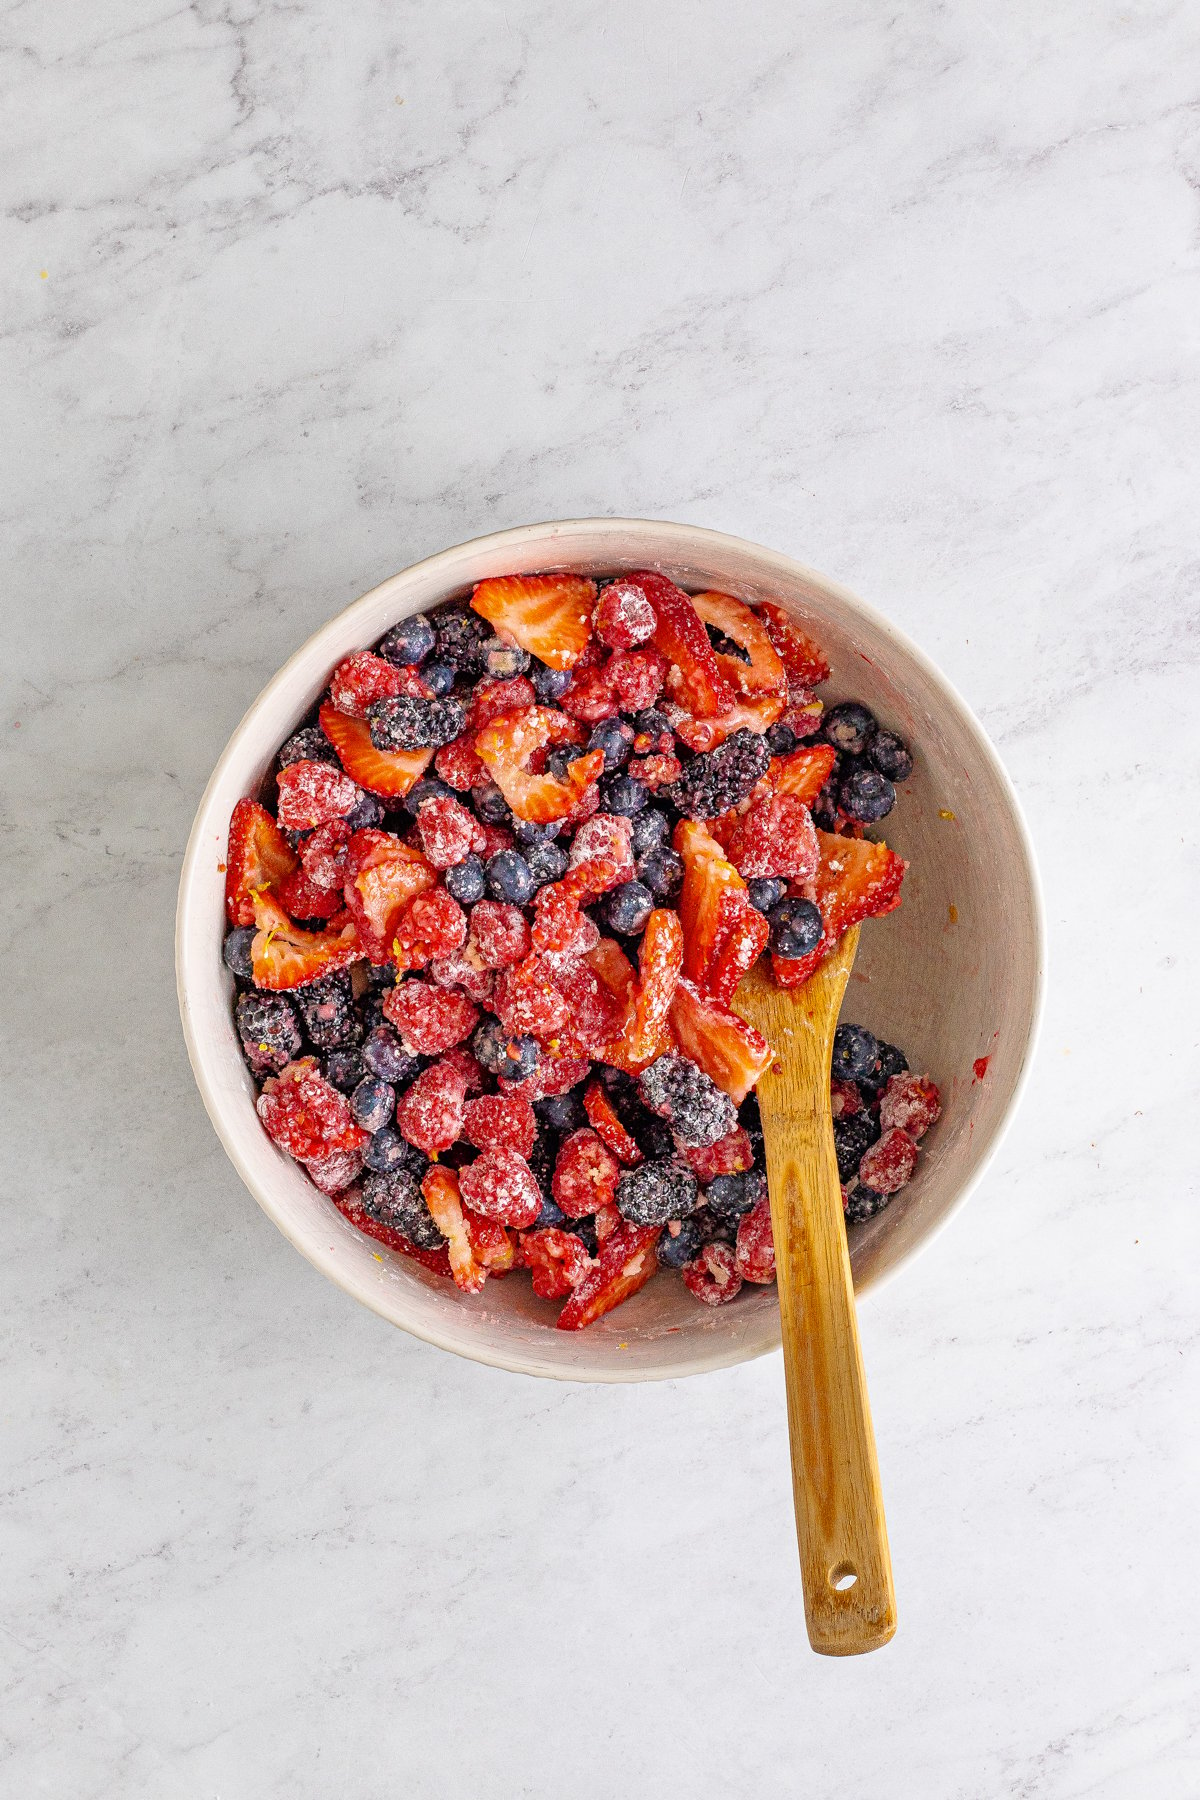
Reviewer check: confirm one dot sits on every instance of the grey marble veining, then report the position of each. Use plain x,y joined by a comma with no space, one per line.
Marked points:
295,294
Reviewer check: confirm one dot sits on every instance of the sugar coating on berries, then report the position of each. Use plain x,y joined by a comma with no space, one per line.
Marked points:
623,617
458,766
722,778
636,678
458,968
431,924
335,1171
305,1115
500,1185
755,1251
410,722
911,1103
527,999
713,1278
313,794
269,1030
558,1261
732,1154
500,1122
429,1019
889,1164
680,1092
499,934
363,678
449,833
656,1191
327,1007
396,1200
603,850
585,1174
430,1114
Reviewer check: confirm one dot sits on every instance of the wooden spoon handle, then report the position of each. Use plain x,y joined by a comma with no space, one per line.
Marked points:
849,1600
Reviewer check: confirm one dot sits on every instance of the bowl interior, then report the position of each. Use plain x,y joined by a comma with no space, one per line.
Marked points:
954,976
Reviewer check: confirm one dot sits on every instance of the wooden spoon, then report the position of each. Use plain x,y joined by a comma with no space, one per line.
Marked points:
849,1601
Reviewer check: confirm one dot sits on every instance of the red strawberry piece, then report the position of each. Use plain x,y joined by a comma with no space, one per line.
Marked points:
364,678
585,1174
432,924
507,746
493,698
467,1065
286,957
645,1032
656,770
429,1019
774,836
349,1205
761,671
745,715
856,880
302,899
730,1155
723,933
440,1188
910,1102
430,1113
801,773
844,1098
305,1115
258,857
335,1171
499,933
602,853
313,793
382,876
387,772
501,1122
733,1053
636,677
449,833
527,1000
590,697
500,1185
614,969
889,1163
713,1277
604,1121
548,615
558,1260
623,617
803,661
461,969
680,637
755,1254
605,1222
553,1075
458,765
492,1244
626,1263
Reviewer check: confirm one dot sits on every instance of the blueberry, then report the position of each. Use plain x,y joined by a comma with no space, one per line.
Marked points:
309,745
680,1244
367,813
503,660
269,1030
384,1055
388,1150
428,788
551,1218
651,723
561,1112
626,908
615,738
410,722
863,1204
438,678
510,878
465,881
853,1135
460,637
528,831
654,1192
547,861
550,684
622,795
765,891
848,726
780,739
373,1102
866,796
649,831
889,754
490,805
855,1052
395,1199
408,642
712,1229
796,927
521,1058
327,1007
825,806
726,1196
888,1062
560,760
344,1069
662,872
585,1231
236,951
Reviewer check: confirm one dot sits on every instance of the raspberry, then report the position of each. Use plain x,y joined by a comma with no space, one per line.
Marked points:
431,924
713,1277
602,851
775,837
323,857
458,969
730,1155
558,1260
500,1185
910,1102
460,1058
690,1101
312,794
590,697
844,1098
558,924
302,899
755,1254
499,933
528,1001
429,1019
458,765
492,698
448,831
715,782
593,1017
335,1171
585,1175
495,839
553,1075
501,1122
430,1114
623,617
636,677
492,1245
889,1164
657,770
363,678
305,1116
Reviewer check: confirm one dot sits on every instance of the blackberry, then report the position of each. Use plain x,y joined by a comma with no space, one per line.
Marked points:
615,738
714,1230
627,907
679,1091
780,739
408,642
765,891
384,1055
662,872
395,1199
855,1052
438,678
866,796
726,1196
852,1138
236,951
269,1030
460,636
373,1102
408,722
465,881
547,861
654,1192
848,726
503,660
428,788
327,1006
561,1112
344,1069
309,745
550,684
756,1187
863,1204
622,795
722,778
796,927
649,831
510,878
889,754
888,1062
676,1249
490,805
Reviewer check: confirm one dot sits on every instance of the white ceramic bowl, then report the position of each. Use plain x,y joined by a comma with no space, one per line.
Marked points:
955,975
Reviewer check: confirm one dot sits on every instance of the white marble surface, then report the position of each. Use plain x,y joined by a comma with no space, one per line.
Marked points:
293,294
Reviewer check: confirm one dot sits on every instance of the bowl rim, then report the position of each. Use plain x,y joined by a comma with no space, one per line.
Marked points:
690,541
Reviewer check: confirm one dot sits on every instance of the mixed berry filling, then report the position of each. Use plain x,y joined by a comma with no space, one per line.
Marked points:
487,927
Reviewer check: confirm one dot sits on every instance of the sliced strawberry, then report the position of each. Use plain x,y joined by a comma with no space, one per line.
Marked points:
731,1155
601,855
801,773
646,1029
733,1053
492,1244
804,662
722,932
382,876
614,969
758,715
507,746
548,615
558,1260
604,1122
761,670
387,772
286,957
679,635
258,857
627,1262
350,1206
856,880
592,1015
440,1188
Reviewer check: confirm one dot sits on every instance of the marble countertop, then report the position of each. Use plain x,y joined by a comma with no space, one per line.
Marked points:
294,295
